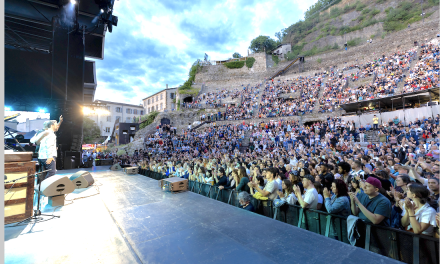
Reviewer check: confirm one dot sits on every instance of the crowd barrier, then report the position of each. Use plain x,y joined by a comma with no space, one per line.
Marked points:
394,243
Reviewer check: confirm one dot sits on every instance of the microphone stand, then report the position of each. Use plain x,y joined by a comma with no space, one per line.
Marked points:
37,212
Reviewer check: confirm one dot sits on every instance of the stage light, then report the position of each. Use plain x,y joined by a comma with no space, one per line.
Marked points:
73,2
102,11
7,108
87,111
42,110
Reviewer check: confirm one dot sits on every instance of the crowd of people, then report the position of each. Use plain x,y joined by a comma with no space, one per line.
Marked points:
393,183
329,165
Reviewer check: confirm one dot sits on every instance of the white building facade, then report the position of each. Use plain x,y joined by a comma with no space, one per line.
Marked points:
124,112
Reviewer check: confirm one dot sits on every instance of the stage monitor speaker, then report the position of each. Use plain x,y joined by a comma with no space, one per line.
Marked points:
82,179
56,185
69,162
115,167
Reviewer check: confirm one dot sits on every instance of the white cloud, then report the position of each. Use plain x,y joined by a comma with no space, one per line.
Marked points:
155,43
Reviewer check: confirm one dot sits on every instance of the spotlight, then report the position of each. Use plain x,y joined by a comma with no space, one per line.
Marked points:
102,11
7,108
87,111
42,110
73,2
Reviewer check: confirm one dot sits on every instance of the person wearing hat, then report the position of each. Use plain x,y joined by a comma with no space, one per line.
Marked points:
371,206
47,154
310,198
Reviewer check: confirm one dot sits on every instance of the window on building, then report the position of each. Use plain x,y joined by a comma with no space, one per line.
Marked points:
161,96
135,111
161,106
108,108
118,110
118,118
109,118
172,106
128,120
148,101
157,98
172,95
107,130
129,111
157,107
141,112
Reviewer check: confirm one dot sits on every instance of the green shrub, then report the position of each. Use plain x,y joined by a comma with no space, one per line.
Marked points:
398,18
234,64
250,62
374,12
365,11
275,59
354,42
348,8
360,6
178,105
192,91
335,46
380,1
121,152
335,12
383,35
319,60
290,56
148,119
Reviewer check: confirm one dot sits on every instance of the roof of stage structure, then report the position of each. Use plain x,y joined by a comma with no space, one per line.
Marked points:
28,25
393,102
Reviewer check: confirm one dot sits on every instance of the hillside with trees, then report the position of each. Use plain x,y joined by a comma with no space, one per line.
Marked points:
329,24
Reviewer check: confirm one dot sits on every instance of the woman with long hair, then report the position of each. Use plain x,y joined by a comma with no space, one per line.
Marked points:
242,180
319,188
355,186
419,216
287,195
338,203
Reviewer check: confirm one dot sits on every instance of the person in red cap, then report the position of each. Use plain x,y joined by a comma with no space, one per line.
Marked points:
371,206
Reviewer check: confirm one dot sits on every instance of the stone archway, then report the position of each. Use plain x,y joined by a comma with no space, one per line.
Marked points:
188,99
165,121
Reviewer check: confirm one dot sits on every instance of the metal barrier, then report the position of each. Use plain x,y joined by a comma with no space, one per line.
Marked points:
394,243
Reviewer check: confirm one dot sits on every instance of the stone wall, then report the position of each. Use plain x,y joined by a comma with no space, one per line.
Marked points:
212,74
314,117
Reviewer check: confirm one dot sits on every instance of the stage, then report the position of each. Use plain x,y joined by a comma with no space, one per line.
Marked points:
129,219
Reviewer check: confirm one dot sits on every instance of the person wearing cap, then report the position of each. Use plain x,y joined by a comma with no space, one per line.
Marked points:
271,187
371,206
47,154
310,198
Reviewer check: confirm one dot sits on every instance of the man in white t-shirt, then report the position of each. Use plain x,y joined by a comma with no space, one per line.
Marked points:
310,198
271,188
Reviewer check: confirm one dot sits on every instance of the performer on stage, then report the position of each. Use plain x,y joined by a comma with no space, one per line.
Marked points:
47,140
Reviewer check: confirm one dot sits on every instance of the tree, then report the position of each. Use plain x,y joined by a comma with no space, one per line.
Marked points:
261,43
280,35
91,130
236,55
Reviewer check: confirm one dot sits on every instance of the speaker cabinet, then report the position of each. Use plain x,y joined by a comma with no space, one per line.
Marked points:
131,170
115,167
82,179
56,185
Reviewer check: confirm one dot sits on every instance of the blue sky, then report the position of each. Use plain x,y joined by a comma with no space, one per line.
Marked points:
156,42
